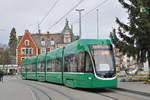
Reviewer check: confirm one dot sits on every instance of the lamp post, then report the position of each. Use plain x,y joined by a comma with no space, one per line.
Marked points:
97,23
80,32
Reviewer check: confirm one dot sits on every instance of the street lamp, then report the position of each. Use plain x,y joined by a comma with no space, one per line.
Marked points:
97,23
79,10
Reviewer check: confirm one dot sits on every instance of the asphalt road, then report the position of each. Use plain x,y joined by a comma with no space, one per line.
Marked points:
33,90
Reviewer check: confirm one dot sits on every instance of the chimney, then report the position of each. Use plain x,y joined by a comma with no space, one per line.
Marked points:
26,31
48,34
39,31
67,22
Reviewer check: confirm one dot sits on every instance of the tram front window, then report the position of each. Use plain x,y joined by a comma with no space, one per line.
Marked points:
104,63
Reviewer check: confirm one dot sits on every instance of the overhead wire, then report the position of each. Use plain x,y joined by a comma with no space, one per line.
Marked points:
66,14
102,3
51,8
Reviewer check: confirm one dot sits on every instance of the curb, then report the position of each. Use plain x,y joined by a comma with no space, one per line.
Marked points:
132,91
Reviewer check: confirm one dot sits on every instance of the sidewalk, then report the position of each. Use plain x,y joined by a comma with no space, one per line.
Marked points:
12,89
137,87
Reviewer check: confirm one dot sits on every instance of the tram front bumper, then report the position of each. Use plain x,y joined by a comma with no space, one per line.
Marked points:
98,83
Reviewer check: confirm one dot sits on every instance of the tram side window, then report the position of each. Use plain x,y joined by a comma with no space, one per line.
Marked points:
41,67
58,65
53,65
23,68
89,65
67,63
80,61
49,66
74,63
33,67
29,68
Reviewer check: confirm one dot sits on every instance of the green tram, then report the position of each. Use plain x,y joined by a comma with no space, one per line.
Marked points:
85,63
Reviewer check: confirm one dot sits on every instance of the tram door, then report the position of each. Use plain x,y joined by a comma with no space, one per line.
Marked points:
78,70
88,70
24,71
85,70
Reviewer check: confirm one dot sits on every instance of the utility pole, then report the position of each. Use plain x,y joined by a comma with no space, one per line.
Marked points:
97,23
39,31
80,32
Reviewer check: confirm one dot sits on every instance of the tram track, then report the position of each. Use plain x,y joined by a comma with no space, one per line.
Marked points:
110,97
57,91
113,98
130,93
70,98
34,95
111,94
38,89
101,93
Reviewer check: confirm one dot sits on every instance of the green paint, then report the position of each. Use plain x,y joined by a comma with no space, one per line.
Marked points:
55,54
31,75
55,77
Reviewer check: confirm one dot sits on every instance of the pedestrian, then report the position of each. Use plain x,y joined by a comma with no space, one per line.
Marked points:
1,76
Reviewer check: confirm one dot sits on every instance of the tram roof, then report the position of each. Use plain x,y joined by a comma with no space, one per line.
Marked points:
24,61
30,60
41,57
82,45
57,53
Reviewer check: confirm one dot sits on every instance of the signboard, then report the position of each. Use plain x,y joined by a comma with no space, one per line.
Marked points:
103,67
105,52
100,46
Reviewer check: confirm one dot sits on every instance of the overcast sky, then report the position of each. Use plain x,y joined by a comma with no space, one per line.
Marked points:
26,14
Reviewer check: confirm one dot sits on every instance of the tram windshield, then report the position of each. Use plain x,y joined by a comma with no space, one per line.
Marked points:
103,59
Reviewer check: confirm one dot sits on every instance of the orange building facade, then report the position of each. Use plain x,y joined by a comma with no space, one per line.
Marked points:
26,48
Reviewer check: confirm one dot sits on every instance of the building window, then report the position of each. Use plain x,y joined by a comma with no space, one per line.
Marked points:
67,40
30,51
43,50
26,51
23,51
26,42
52,42
52,48
43,42
67,33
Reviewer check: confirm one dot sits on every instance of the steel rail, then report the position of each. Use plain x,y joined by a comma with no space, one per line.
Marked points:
54,90
40,90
